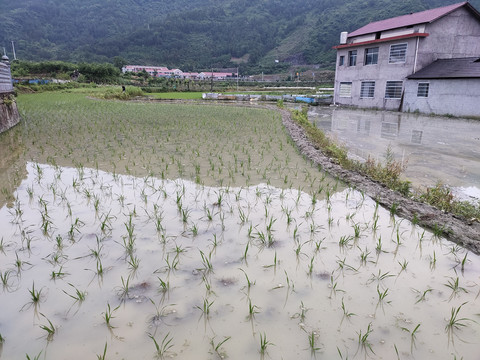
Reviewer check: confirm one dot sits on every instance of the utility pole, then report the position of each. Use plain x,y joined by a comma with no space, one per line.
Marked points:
13,48
211,82
237,78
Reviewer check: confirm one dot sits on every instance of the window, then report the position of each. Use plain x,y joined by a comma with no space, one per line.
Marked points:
352,58
371,56
368,89
423,89
345,89
393,90
398,53
341,61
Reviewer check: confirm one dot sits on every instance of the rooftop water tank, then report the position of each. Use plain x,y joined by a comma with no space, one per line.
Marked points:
343,37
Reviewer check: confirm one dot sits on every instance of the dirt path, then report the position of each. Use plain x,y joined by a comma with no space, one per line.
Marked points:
465,233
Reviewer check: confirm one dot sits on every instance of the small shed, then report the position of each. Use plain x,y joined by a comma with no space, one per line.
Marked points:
445,87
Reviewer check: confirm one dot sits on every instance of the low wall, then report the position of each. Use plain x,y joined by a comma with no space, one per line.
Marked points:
9,115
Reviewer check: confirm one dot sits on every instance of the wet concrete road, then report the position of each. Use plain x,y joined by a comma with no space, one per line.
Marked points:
436,149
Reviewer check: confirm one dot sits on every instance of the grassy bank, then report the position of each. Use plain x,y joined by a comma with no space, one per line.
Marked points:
388,173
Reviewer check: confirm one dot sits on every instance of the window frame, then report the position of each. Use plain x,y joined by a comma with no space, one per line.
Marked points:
394,92
344,93
341,60
425,92
394,58
372,58
367,86
352,57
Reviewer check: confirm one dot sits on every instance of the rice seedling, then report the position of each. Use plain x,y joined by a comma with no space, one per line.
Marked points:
454,285
36,357
103,356
364,343
216,347
310,266
172,264
164,286
205,308
422,295
133,261
56,274
356,229
207,261
124,289
249,282
264,344
380,277
49,328
455,323
394,209
5,278
35,295
164,347
2,246
78,296
346,313
312,340
108,315
99,270
334,289
381,296
433,261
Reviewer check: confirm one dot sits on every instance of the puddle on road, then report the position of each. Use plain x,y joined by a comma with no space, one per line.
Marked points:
435,148
173,260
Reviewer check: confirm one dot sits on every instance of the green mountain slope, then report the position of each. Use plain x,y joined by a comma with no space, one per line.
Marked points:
191,34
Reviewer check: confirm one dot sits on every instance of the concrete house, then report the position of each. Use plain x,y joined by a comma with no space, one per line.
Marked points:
447,86
375,62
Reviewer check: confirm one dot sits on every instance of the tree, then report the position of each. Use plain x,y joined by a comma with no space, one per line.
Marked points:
119,62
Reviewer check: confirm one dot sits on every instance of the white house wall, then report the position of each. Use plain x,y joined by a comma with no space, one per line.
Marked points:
380,73
454,36
458,97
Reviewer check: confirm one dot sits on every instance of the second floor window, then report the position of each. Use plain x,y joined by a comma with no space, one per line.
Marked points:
371,56
368,89
352,58
341,61
398,53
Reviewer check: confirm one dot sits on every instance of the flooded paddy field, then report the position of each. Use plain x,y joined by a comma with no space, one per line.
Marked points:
434,148
105,248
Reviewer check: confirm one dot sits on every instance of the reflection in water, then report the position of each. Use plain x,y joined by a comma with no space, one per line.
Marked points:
12,171
436,148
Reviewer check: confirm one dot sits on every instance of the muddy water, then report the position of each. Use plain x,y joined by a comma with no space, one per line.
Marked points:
434,148
339,270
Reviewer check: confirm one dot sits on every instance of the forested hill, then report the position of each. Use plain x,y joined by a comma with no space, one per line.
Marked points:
191,34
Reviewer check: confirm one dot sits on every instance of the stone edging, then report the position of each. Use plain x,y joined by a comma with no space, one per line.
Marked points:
457,230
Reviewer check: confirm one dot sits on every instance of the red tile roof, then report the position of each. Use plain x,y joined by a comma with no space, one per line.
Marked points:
422,17
393,38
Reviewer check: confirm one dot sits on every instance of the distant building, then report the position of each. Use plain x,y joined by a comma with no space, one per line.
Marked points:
155,71
380,65
9,115
216,75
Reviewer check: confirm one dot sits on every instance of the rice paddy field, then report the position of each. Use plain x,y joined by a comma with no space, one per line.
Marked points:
145,230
